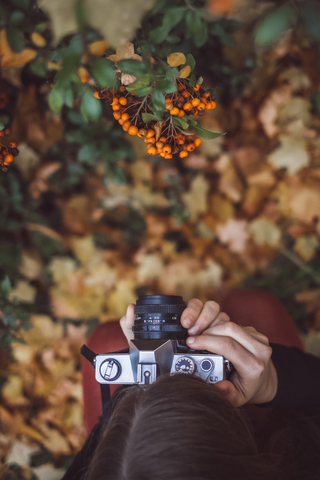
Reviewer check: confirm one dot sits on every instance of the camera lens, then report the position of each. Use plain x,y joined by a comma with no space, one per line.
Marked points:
158,317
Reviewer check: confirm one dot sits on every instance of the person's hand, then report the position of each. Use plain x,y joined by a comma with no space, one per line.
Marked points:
254,379
127,321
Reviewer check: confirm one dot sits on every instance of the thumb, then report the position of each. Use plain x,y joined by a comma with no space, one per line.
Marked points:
229,392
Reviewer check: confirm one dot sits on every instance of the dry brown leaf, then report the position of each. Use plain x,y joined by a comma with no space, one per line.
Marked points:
265,232
234,233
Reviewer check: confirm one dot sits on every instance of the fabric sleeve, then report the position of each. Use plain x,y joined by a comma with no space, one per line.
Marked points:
298,378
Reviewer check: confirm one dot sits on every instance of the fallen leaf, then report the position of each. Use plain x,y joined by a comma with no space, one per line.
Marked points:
265,232
306,246
196,199
234,233
292,154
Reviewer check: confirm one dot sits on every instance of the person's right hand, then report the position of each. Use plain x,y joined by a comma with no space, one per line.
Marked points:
254,379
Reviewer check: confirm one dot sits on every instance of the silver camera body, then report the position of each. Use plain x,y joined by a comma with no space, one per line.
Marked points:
147,359
158,348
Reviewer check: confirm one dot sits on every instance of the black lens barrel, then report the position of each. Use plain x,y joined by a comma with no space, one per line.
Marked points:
158,317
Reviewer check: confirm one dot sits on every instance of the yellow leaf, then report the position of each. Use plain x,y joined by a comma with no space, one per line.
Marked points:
10,58
185,72
98,48
38,39
176,59
54,65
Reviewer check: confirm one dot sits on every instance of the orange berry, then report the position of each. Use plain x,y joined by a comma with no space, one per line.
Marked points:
142,133
126,125
162,154
185,94
168,100
97,94
167,149
197,142
152,150
191,147
8,158
174,111
13,144
115,107
195,102
201,106
206,94
181,113
168,156
196,88
1,133
163,139
183,154
151,140
115,101
196,112
125,116
204,100
213,104
160,145
123,101
180,87
159,150
187,106
117,115
150,133
121,122
133,130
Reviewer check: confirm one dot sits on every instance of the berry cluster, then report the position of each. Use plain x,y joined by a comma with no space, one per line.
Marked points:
7,154
161,137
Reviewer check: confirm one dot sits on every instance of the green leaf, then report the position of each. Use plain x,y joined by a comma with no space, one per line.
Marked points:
140,92
75,136
148,117
206,133
103,72
171,18
194,22
193,80
5,285
184,131
202,37
55,99
87,153
166,85
133,67
200,80
68,97
311,18
1,126
16,18
15,38
179,122
90,107
274,24
190,61
158,101
38,67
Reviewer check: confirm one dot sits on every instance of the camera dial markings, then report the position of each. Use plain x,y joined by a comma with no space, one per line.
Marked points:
185,365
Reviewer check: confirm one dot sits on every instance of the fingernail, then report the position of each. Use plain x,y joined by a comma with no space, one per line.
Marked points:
190,339
187,322
194,330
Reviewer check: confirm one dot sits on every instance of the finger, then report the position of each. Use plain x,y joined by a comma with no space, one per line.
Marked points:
208,316
248,339
245,362
191,313
127,321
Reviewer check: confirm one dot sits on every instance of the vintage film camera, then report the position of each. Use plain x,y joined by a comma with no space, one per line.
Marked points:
158,347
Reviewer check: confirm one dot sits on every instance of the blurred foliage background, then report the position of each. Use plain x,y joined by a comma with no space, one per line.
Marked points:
89,220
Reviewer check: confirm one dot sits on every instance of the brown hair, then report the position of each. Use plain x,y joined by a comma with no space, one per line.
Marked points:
179,428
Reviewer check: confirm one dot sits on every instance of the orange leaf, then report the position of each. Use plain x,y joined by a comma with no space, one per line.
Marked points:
10,58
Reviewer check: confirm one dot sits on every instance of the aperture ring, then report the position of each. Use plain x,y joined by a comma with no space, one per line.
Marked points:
158,309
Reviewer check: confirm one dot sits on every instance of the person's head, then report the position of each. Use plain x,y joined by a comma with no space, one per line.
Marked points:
179,428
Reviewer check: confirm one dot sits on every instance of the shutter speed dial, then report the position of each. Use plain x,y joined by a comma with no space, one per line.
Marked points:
110,369
185,365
